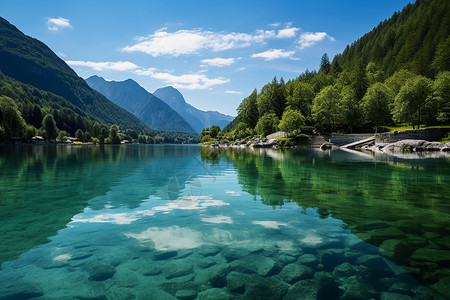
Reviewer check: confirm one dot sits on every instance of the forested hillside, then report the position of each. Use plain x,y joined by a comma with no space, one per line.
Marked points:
396,73
41,94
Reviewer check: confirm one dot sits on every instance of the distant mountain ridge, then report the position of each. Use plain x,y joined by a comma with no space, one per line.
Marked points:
31,62
197,118
151,110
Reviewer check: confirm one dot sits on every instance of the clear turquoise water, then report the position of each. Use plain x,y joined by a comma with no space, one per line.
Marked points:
168,222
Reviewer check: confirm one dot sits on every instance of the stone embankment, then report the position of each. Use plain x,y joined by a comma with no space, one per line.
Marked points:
409,146
314,141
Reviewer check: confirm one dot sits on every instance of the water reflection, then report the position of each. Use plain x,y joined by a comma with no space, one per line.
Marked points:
401,206
43,187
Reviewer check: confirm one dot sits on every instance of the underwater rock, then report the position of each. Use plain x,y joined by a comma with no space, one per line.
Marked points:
163,255
19,290
308,260
267,267
151,270
218,277
101,272
327,289
177,269
207,262
344,270
232,253
265,288
126,279
303,289
295,272
208,250
186,294
433,255
377,264
236,282
388,247
331,258
394,296
214,294
120,293
443,286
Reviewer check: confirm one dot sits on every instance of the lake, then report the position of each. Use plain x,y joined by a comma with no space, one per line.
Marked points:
181,222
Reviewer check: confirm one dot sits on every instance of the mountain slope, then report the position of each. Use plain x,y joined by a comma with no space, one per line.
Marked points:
197,118
131,96
410,39
30,61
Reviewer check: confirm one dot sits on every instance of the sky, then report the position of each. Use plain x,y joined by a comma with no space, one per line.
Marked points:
214,52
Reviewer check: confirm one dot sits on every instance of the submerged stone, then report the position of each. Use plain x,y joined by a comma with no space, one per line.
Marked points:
236,282
232,253
327,288
434,255
214,294
206,262
186,294
102,272
377,264
265,288
218,277
177,269
331,258
394,296
303,289
208,250
295,272
163,255
308,260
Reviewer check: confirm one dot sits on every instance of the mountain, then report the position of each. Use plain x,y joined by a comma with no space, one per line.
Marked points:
25,60
197,118
417,39
131,96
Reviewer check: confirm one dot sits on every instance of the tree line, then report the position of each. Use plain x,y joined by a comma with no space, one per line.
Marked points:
397,73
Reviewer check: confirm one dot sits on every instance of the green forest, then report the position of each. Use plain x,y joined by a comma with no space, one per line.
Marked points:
26,111
398,73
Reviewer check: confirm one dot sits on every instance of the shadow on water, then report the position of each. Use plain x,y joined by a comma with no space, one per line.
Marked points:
401,206
43,187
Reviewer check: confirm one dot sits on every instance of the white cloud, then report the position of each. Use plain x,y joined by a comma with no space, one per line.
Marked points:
60,54
218,62
218,219
55,24
275,54
232,92
102,66
270,224
275,24
309,39
187,81
162,42
287,32
169,238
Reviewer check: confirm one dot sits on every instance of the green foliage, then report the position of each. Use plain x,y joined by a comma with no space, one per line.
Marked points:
325,64
410,102
326,109
49,129
272,98
248,110
301,98
441,94
267,124
291,120
10,118
375,105
214,131
398,79
285,142
62,136
79,135
114,135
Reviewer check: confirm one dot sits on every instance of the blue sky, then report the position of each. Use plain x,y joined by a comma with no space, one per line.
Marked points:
214,52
